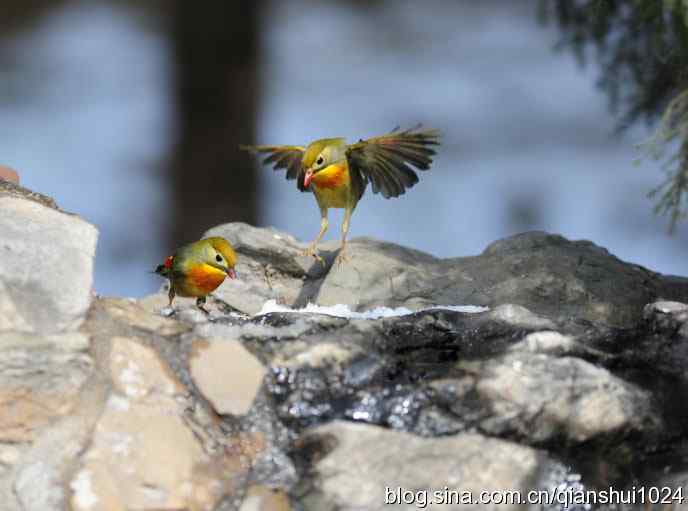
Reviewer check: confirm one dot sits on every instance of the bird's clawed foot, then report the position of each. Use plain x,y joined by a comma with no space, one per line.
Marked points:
342,257
200,302
167,312
312,251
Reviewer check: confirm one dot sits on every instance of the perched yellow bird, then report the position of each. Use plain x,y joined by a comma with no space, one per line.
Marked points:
338,173
197,269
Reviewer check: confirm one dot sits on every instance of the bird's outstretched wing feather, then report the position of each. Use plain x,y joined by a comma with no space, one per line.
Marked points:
282,157
388,161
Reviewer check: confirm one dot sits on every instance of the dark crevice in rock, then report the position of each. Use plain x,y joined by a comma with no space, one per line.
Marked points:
395,367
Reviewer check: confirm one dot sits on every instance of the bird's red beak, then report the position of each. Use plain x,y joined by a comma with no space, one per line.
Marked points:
231,273
307,178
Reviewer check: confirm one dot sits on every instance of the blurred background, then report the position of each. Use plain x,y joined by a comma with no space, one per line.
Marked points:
130,113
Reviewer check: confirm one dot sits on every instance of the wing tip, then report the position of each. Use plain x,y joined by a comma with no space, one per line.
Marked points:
427,136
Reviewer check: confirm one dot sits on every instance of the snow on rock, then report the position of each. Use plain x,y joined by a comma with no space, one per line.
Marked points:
343,311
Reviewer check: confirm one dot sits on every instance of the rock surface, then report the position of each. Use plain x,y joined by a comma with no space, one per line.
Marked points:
9,175
347,478
40,381
541,398
545,273
573,378
46,267
227,374
143,423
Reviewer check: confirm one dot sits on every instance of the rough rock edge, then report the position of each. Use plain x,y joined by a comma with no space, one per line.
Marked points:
13,190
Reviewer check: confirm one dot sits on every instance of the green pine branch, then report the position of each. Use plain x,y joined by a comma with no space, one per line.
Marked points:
641,47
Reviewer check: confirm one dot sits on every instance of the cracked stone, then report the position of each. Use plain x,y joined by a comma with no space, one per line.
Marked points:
59,248
144,455
345,477
227,374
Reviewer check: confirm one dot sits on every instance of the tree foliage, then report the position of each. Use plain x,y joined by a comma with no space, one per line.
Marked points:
642,49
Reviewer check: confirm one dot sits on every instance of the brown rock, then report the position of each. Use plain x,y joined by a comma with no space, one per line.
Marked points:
247,445
9,174
144,454
262,498
132,313
227,374
40,380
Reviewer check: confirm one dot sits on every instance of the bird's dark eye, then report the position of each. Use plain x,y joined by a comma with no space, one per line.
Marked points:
218,258
320,160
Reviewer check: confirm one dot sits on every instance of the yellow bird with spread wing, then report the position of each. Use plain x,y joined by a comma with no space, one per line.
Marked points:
338,173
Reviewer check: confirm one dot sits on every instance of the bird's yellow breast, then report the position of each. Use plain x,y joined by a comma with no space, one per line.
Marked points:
332,185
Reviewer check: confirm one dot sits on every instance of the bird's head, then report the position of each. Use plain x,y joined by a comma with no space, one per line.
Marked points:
321,154
220,254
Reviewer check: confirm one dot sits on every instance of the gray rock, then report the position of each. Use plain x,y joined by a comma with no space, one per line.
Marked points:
46,263
665,307
10,189
519,316
570,358
547,342
46,267
40,381
45,415
40,476
547,274
440,372
661,347
367,467
542,398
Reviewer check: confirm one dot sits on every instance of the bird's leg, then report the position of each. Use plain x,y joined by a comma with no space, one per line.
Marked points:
343,257
200,302
312,249
170,294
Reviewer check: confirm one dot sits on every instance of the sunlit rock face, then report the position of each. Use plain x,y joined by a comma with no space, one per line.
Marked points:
46,264
545,273
540,363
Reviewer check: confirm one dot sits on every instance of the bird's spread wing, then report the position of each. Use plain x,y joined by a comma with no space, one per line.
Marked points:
282,157
388,161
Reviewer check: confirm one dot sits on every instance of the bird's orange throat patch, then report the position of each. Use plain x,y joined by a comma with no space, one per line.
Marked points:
331,177
204,279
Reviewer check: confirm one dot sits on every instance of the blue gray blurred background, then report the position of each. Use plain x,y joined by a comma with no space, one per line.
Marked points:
130,115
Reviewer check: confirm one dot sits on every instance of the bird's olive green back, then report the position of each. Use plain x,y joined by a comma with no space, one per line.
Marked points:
315,148
189,255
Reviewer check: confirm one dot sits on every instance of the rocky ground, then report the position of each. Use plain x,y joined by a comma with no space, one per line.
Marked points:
570,374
